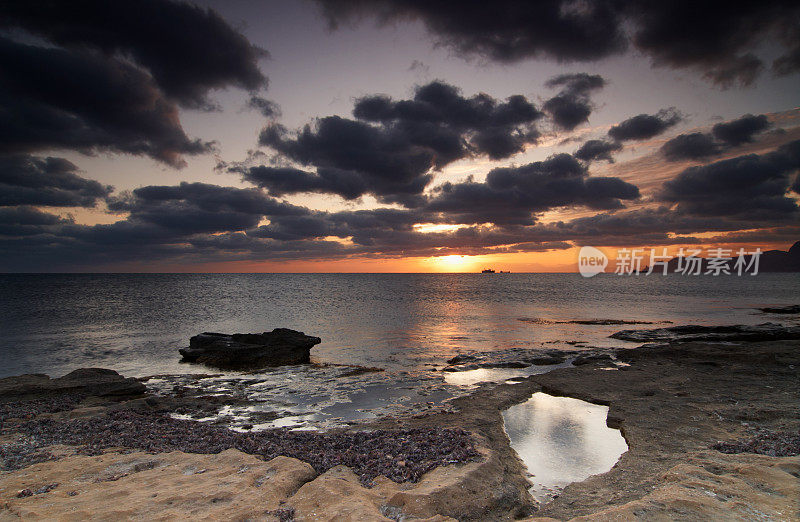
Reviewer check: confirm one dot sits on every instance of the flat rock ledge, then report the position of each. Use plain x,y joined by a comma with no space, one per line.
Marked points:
279,347
727,333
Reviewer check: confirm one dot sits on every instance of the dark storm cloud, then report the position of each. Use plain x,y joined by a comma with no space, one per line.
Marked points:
645,126
711,37
187,49
109,76
594,150
162,224
52,98
392,146
489,126
512,195
508,196
32,240
752,186
191,208
27,221
385,161
28,180
279,181
577,83
790,62
572,106
268,108
364,227
736,71
742,130
503,31
696,145
649,223
726,135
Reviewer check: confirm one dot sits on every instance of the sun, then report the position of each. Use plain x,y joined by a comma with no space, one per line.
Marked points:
454,260
451,263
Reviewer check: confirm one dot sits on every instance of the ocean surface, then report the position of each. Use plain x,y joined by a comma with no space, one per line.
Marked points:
134,323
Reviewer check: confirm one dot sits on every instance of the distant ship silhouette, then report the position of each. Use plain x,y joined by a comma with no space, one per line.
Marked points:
490,271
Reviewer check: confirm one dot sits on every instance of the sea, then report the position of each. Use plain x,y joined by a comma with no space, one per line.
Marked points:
135,323
407,325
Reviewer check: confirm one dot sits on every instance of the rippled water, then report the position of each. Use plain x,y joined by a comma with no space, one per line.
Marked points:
561,440
135,323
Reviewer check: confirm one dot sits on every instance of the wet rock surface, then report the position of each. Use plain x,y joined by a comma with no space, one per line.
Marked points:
302,397
279,347
739,332
512,358
593,358
83,382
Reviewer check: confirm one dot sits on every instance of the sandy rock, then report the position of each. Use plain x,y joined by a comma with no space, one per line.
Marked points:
337,495
718,487
230,485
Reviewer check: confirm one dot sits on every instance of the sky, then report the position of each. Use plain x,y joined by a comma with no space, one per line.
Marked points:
392,135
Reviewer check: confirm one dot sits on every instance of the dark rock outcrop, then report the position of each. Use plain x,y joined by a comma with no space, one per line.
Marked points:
592,358
244,351
85,381
461,359
737,332
547,360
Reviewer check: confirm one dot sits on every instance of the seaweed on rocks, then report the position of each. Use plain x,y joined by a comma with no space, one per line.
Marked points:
400,455
28,409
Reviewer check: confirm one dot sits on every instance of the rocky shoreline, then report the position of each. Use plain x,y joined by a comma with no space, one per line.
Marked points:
711,428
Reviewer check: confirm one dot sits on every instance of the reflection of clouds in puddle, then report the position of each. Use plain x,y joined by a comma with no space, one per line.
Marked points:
562,440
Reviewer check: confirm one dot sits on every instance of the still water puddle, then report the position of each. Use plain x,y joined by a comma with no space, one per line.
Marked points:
478,375
561,440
